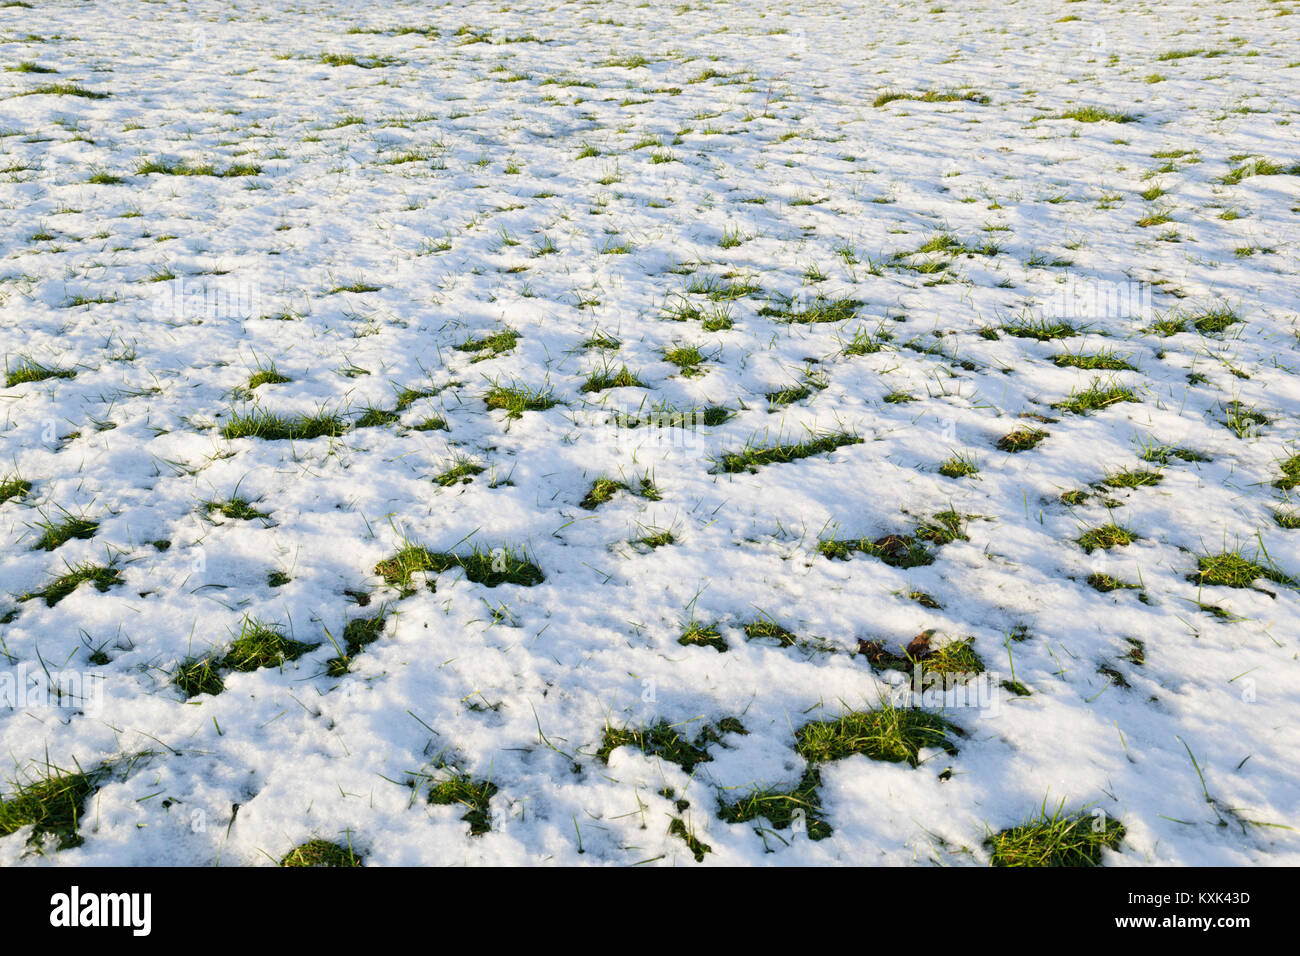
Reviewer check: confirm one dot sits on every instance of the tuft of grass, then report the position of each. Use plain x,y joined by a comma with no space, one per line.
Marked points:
688,358
662,740
931,96
703,635
781,808
1104,360
602,490
462,472
489,568
168,168
896,550
894,734
268,426
1290,475
463,790
101,577
1022,439
52,806
818,311
235,507
1055,840
320,853
358,634
1214,321
753,456
515,399
1105,536
1095,114
1131,478
490,346
1232,569
1041,330
12,486
262,645
198,675
55,534
1242,420
766,629
959,466
65,89
1095,397
606,378
29,370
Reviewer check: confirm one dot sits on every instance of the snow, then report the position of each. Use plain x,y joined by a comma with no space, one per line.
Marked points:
790,116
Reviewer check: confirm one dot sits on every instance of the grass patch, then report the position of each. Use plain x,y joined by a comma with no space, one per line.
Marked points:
269,426
320,853
168,168
602,490
754,456
1232,569
56,534
894,734
515,399
703,635
101,577
52,806
819,310
473,795
662,740
13,487
606,378
358,634
781,808
1096,397
234,507
489,568
28,370
1095,114
1105,536
1105,360
1022,439
1055,840
490,346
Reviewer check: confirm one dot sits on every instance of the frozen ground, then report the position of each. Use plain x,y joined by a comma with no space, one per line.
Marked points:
384,192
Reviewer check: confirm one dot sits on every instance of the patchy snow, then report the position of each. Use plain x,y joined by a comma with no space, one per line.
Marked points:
437,174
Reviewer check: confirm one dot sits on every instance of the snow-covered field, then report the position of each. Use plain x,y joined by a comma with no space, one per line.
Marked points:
303,288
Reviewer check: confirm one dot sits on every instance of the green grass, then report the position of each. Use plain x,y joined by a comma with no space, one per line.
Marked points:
662,740
1096,397
13,487
766,629
462,472
894,734
754,456
931,96
1214,321
1290,475
55,534
1104,360
52,806
101,577
320,853
703,635
28,370
896,550
1242,420
1022,439
1055,840
373,417
358,634
267,375
1105,583
1158,453
64,89
490,346
606,378
1232,569
1105,536
959,466
262,645
269,426
815,312
516,398
198,675
678,828
1094,114
474,795
602,490
235,507
1131,478
1259,167
169,168
1041,330
504,566
687,358
781,808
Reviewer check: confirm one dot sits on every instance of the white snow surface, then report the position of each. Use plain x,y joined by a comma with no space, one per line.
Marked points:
435,176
